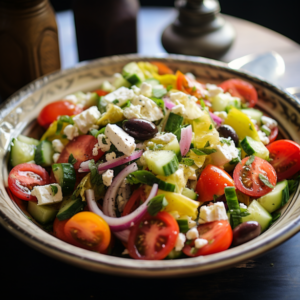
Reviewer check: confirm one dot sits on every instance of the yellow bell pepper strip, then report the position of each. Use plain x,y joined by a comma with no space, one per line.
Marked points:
177,178
51,135
112,115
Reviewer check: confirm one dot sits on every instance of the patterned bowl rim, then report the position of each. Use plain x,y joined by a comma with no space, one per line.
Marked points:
165,268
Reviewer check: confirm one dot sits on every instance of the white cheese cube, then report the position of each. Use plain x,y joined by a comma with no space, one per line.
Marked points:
133,112
104,143
55,157
146,89
199,243
213,90
87,119
45,194
192,234
121,140
107,177
215,212
122,94
180,241
110,156
269,122
179,110
71,132
263,137
57,145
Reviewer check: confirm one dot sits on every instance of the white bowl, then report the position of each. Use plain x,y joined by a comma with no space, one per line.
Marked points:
19,112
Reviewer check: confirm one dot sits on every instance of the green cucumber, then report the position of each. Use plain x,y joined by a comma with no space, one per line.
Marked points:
276,198
153,82
133,73
44,154
258,214
70,207
253,114
120,81
252,147
173,123
21,152
27,140
189,193
43,214
162,162
174,146
65,176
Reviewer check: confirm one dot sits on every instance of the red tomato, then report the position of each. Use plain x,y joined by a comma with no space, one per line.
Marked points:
285,158
22,178
58,229
212,181
134,201
58,108
88,231
273,135
154,237
217,233
82,149
189,86
241,89
246,177
101,92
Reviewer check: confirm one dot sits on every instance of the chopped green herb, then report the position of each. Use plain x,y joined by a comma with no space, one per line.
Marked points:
194,250
265,180
160,103
126,104
169,87
156,204
202,103
187,161
183,225
225,141
275,217
60,122
194,89
266,130
250,127
250,160
54,189
207,144
203,151
210,127
115,101
72,160
215,197
96,178
234,161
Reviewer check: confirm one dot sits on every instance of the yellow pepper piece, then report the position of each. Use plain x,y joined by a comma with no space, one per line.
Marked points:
113,114
166,79
198,159
183,205
177,178
242,124
148,69
51,135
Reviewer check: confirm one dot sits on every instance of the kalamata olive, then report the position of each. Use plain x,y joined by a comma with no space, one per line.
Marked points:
140,129
227,131
245,232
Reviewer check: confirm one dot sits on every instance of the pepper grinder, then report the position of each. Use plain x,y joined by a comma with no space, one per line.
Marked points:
199,30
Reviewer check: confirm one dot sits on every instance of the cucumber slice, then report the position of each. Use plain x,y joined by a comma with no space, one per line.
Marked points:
133,73
153,82
120,81
173,123
274,200
162,162
258,214
253,114
42,213
174,146
44,154
189,193
21,152
28,140
65,175
69,208
252,147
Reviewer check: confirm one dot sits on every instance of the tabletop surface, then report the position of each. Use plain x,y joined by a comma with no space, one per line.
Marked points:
274,275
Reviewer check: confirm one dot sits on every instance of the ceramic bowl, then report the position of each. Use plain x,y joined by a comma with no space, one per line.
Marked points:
18,115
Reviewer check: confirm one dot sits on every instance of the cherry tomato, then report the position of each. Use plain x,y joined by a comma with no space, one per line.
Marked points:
101,92
273,135
134,201
154,237
189,86
241,89
212,182
82,149
58,229
217,233
285,158
22,178
162,68
88,231
58,108
246,177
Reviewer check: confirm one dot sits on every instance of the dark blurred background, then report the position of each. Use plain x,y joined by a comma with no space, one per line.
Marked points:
278,15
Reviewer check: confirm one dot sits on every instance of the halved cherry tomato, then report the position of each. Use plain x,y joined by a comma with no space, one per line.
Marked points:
241,89
101,92
154,237
22,178
285,158
246,177
273,135
88,231
189,86
134,201
82,149
58,108
162,68
217,233
58,229
212,182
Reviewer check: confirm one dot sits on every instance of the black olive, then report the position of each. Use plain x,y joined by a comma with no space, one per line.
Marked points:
227,131
245,232
140,129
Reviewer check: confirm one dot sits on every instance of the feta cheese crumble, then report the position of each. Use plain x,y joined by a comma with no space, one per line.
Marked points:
110,156
199,243
180,241
122,94
263,137
214,212
57,145
87,119
107,177
45,195
55,157
192,234
71,132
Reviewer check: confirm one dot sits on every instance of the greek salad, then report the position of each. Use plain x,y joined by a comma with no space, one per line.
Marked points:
155,163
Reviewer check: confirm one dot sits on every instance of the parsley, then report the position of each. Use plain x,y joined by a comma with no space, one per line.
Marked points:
160,103
203,151
202,103
61,120
265,180
235,161
207,144
275,217
183,225
250,127
54,189
126,104
96,178
72,160
266,130
194,89
215,197
169,87
156,204
210,127
104,142
250,160
115,101
187,161
194,250
293,184
225,141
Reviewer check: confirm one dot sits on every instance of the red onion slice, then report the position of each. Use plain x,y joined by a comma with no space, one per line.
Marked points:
185,140
216,119
122,223
168,103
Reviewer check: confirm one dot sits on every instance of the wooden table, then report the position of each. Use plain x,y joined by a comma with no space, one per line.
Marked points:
275,275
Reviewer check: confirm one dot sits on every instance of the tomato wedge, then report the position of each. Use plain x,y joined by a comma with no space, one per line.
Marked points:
189,86
241,89
217,233
212,182
247,177
273,135
58,229
101,92
58,108
285,158
154,237
22,178
134,201
82,149
88,231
